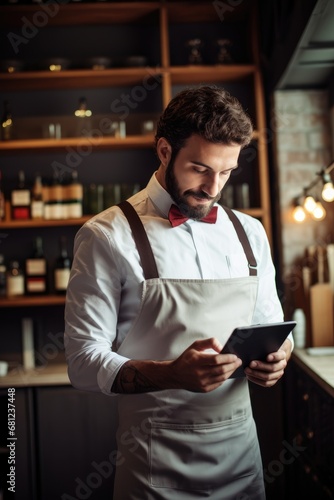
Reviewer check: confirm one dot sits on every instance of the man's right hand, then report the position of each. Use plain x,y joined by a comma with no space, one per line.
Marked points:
194,370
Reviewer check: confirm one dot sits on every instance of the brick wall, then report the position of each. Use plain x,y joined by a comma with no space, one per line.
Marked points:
303,148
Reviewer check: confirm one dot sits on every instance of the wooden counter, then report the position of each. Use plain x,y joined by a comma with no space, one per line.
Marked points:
319,368
51,374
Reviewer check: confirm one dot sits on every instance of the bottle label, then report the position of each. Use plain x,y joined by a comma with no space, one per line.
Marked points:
35,267
74,210
37,209
15,285
55,211
36,285
20,197
74,192
62,277
21,213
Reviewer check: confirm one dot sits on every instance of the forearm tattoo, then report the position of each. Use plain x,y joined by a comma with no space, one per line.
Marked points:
129,380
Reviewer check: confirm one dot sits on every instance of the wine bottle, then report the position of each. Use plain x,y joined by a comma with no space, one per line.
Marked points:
54,208
73,197
14,279
62,267
36,270
2,200
3,270
6,123
20,199
37,204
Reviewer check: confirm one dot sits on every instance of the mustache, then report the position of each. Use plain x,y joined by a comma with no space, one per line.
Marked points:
200,194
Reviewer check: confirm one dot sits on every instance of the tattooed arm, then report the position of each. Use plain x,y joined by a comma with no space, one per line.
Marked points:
131,380
194,370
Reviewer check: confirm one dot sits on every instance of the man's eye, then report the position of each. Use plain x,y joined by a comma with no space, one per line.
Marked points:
199,170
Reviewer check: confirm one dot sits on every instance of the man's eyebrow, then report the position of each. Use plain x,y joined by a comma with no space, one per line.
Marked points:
200,164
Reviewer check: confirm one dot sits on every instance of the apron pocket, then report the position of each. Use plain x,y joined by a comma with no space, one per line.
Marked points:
202,456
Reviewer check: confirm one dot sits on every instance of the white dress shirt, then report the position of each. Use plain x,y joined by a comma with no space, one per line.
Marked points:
104,292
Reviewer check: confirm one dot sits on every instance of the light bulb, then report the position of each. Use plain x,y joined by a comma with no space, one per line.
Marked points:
319,213
309,204
328,192
299,214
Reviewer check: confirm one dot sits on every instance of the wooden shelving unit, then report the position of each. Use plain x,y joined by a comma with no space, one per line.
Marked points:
162,17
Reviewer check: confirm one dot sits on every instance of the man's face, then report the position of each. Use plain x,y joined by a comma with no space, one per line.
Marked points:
198,174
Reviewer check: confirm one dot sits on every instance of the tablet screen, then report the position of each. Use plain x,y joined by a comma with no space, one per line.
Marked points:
256,342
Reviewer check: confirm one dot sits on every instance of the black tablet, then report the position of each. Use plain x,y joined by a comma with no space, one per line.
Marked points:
256,342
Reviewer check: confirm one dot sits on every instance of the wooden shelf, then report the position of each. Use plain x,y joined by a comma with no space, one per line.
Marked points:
98,13
90,13
67,79
100,143
26,301
135,141
76,78
21,224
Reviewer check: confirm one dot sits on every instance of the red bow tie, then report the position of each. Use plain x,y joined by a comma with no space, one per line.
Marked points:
176,217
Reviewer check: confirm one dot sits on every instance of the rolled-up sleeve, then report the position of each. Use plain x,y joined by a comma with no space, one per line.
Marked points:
91,311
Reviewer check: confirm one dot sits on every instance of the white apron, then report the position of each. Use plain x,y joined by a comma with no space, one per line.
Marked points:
177,444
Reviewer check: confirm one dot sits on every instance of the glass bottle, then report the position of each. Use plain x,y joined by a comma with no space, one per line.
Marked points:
73,197
2,200
6,123
195,51
37,204
3,271
14,279
36,269
62,268
54,194
20,199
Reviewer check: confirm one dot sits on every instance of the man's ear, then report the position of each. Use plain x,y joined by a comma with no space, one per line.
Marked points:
164,151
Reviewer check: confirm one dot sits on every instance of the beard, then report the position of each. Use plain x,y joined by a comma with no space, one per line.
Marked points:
181,199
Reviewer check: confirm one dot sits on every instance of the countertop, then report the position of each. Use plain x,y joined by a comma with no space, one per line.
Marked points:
51,374
320,368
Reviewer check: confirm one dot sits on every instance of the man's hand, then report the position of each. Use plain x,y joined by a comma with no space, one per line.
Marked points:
194,370
268,373
199,371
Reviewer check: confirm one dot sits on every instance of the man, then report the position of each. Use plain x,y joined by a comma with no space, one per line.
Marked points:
151,303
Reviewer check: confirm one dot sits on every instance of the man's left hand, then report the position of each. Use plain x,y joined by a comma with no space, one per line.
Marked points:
267,373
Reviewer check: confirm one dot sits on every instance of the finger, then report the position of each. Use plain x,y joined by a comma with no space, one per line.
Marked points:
225,370
263,381
276,356
211,343
264,376
268,367
207,360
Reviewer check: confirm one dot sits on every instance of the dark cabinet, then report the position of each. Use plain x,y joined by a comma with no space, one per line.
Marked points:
65,444
76,450
310,426
20,453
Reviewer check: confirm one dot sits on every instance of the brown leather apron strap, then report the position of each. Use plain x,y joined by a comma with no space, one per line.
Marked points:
143,245
145,250
252,264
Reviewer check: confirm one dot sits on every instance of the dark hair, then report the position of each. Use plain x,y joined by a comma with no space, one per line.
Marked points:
208,111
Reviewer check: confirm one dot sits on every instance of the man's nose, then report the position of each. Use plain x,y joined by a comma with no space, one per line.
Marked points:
212,186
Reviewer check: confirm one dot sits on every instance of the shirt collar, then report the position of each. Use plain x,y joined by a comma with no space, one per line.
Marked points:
162,200
159,196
